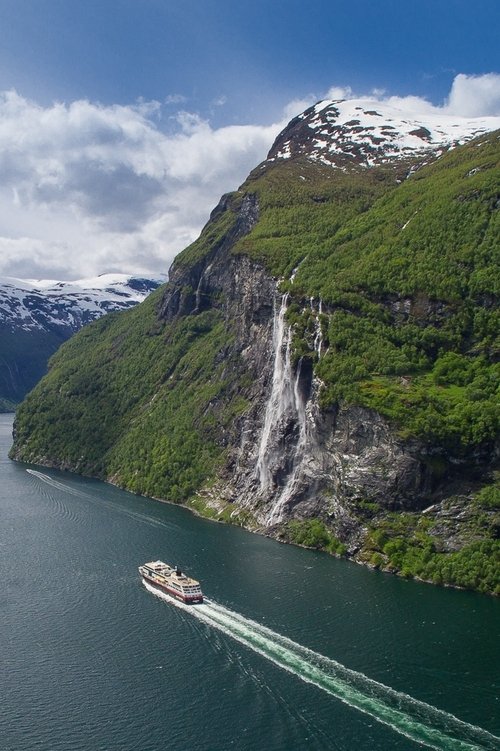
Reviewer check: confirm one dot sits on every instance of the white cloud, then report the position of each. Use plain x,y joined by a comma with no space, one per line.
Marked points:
296,106
470,96
474,96
87,188
175,99
340,92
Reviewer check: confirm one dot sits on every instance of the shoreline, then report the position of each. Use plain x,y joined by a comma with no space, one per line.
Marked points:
263,531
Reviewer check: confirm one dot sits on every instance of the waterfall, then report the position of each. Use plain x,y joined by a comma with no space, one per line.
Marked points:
282,392
318,339
286,493
285,409
294,272
198,292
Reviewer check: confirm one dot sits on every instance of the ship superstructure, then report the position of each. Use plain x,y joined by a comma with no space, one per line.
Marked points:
172,581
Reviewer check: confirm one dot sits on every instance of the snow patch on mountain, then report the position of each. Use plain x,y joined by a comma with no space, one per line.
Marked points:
47,303
362,132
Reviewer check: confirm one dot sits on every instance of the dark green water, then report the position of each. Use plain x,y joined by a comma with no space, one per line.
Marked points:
294,650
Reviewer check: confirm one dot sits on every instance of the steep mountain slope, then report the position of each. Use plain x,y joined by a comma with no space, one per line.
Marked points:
321,364
36,316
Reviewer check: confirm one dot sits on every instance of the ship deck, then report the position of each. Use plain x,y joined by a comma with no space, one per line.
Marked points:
170,572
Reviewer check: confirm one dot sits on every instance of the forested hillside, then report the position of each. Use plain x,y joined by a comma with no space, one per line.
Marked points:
371,294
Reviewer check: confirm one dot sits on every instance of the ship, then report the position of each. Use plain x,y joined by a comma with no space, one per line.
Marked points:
172,581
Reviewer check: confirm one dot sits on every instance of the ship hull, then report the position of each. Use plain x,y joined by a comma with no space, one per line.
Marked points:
163,589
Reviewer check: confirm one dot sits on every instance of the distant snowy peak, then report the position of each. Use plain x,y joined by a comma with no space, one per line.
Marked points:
359,132
109,285
47,304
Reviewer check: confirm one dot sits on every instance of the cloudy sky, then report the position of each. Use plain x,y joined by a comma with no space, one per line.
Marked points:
123,121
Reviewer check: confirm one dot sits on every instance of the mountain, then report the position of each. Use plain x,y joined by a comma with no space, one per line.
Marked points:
322,364
36,316
357,132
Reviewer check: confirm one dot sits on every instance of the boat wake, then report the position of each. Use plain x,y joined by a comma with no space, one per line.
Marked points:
99,501
414,719
54,483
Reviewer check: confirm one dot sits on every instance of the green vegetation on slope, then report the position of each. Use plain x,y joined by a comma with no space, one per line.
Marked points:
413,545
312,533
133,399
302,207
406,276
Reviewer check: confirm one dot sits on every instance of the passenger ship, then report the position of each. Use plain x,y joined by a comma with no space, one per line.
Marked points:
173,581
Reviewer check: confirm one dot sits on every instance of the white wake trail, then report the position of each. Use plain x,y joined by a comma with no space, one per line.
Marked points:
100,502
416,720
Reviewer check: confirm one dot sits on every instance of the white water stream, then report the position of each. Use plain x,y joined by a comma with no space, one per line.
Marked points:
318,339
281,398
286,493
285,406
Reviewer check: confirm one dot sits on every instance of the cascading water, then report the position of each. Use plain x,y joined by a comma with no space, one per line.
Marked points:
199,288
318,339
318,336
285,414
275,515
282,394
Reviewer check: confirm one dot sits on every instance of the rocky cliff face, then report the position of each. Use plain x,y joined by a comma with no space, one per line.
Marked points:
287,456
